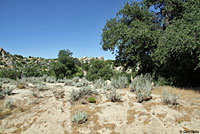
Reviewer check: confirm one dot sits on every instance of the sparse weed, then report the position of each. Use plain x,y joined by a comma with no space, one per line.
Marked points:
121,82
143,87
169,98
79,118
113,96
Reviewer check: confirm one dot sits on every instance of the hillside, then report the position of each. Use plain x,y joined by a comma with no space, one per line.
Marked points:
36,110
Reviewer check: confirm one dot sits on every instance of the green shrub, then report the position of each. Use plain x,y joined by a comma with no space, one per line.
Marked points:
143,87
99,69
11,73
79,118
91,100
65,66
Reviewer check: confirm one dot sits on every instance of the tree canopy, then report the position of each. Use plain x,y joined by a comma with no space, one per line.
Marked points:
162,37
65,67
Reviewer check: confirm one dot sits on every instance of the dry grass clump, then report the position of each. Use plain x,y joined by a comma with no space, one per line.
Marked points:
182,92
21,84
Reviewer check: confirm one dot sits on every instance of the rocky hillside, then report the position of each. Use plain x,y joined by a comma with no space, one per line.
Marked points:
9,60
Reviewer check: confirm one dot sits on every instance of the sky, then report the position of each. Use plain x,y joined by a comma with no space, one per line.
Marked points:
41,28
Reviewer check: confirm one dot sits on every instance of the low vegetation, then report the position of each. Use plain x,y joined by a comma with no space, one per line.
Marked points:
142,85
84,91
120,82
113,96
79,118
169,98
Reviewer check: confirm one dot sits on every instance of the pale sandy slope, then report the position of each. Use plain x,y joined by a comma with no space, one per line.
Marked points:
48,115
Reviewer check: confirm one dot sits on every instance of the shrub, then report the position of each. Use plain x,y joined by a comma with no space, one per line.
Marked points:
132,87
36,80
169,98
69,82
51,79
8,102
113,96
42,87
74,95
59,94
76,79
79,118
99,69
21,83
143,87
2,95
8,90
109,87
100,83
11,73
118,74
83,82
121,82
84,91
1,85
65,66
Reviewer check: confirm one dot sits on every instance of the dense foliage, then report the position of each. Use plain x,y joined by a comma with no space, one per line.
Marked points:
158,36
99,69
66,66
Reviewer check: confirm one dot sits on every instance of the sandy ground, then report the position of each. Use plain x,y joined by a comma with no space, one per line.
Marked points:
46,114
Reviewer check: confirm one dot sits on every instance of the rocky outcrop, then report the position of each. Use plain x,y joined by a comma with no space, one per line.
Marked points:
2,53
87,59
